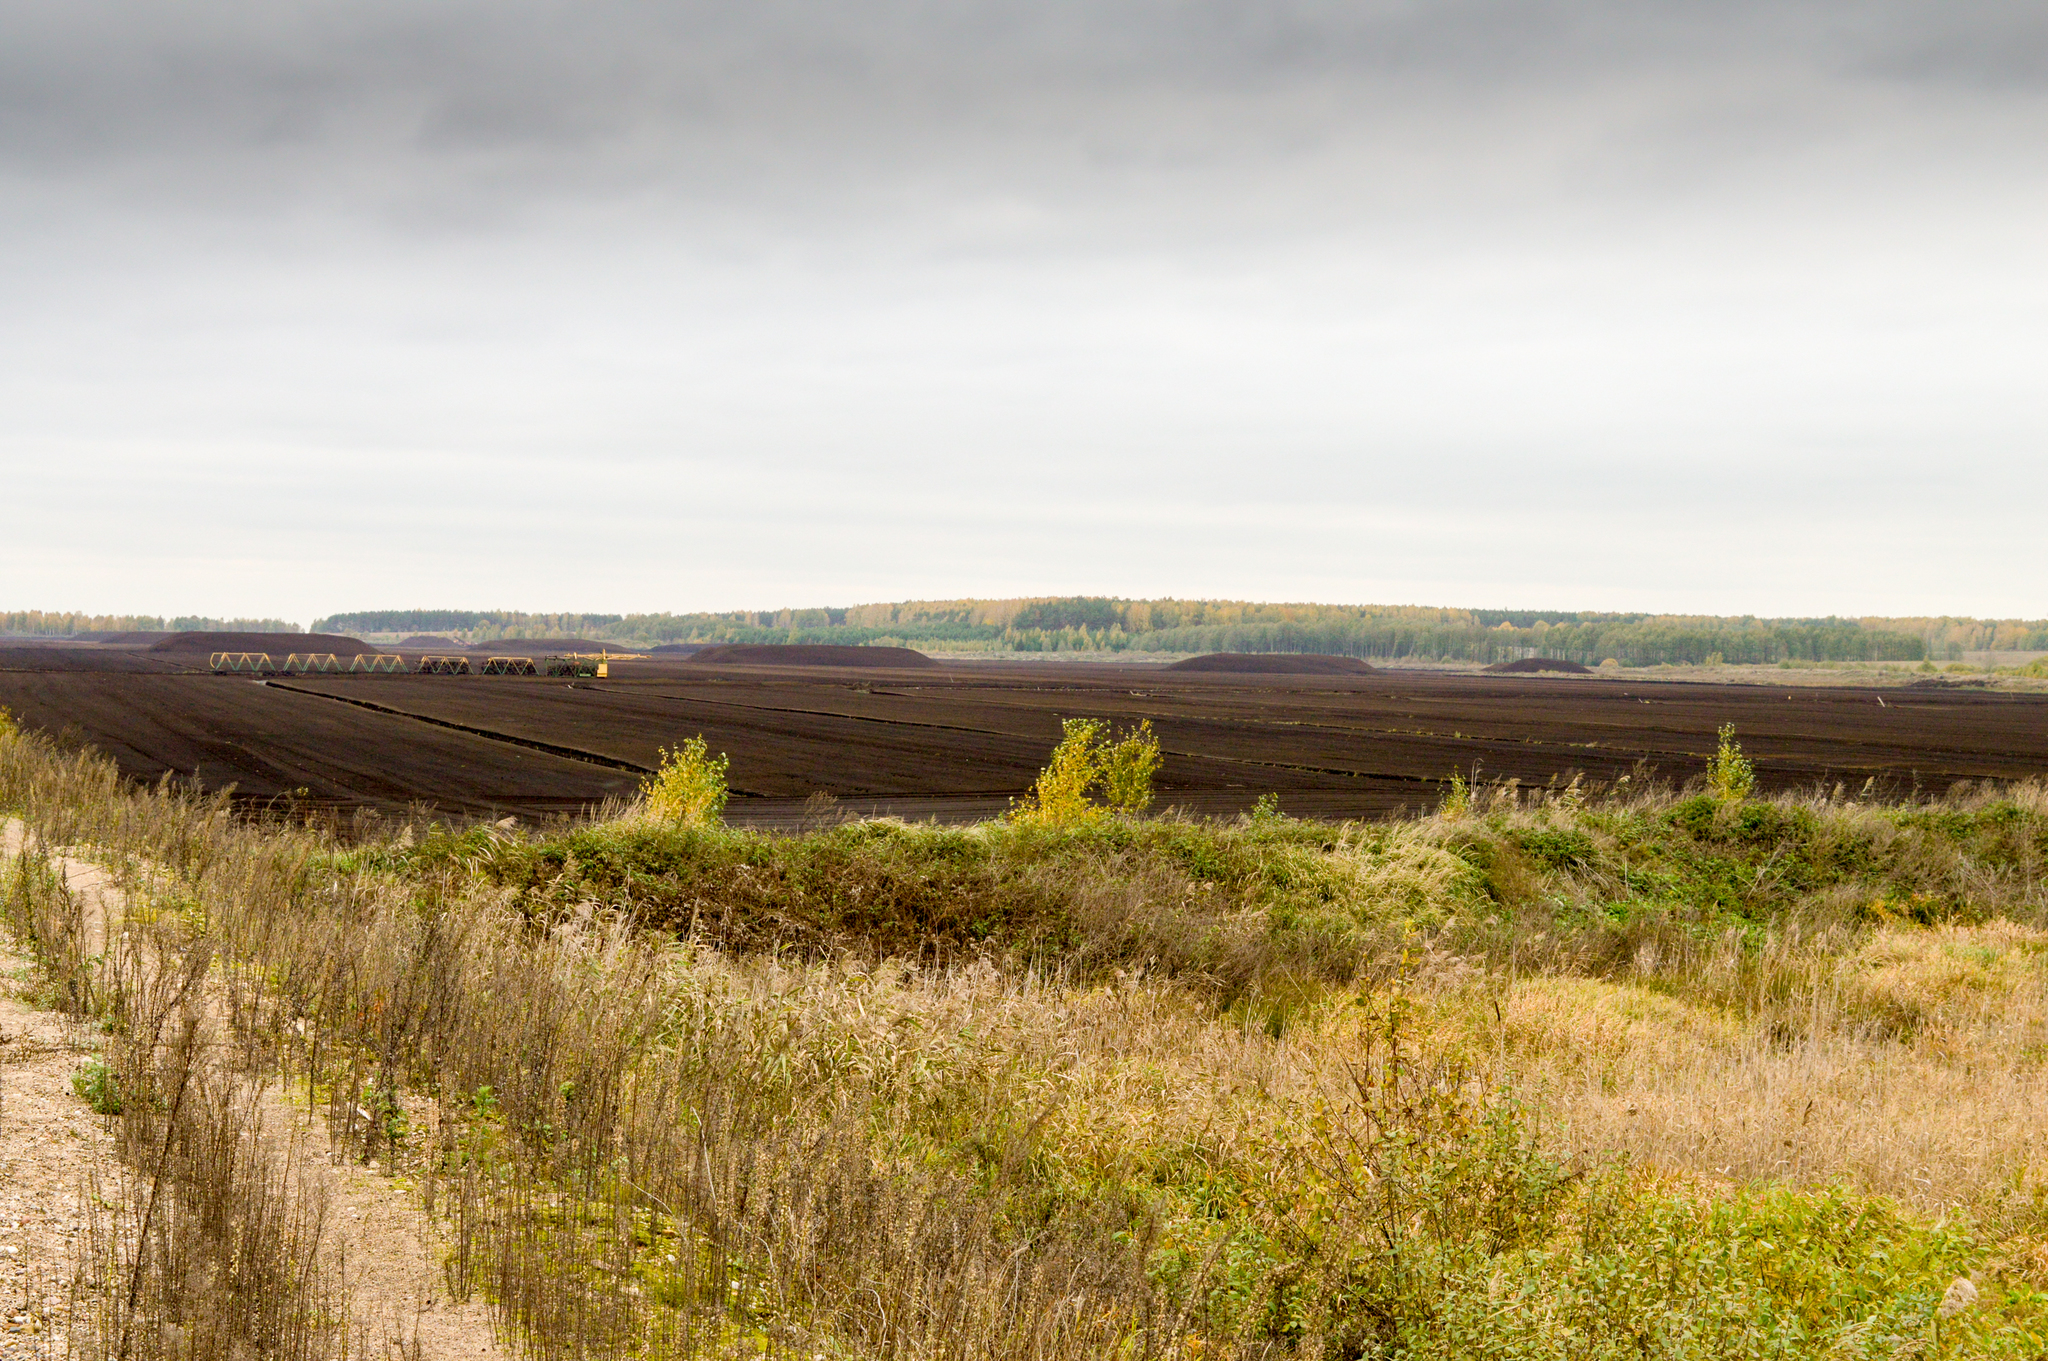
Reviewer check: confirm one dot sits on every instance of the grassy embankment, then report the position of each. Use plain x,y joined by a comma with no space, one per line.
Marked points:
1540,1075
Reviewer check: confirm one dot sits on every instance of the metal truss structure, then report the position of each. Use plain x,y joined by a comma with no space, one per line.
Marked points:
584,664
589,664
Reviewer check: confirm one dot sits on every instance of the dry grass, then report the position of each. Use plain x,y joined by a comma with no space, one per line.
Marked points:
209,1242
1537,1079
1910,1066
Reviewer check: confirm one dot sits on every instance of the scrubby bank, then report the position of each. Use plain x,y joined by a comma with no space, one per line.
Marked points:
1535,876
1538,1076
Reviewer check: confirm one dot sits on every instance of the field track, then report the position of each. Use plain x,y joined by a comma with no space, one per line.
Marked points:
959,742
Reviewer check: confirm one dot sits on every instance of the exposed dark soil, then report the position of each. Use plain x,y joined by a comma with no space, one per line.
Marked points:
809,654
1275,664
1531,665
270,744
679,649
18,656
960,742
279,643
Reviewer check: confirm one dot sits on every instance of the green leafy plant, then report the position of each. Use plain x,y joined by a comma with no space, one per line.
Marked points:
1093,759
1457,799
98,1087
1730,776
689,789
1127,769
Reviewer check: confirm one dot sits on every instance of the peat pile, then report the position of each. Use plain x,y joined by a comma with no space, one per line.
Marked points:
1275,664
282,643
123,639
679,649
1529,665
809,654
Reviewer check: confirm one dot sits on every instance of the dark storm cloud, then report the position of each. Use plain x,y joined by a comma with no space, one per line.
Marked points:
700,100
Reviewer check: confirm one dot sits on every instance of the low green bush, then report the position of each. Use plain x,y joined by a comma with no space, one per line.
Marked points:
98,1087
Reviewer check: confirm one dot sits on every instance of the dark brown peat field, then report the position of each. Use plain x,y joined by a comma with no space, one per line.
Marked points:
959,741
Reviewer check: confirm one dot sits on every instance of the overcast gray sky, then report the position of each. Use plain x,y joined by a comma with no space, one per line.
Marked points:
616,305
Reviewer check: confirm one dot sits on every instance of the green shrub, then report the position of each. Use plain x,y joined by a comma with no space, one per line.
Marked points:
1127,770
689,789
98,1087
1558,848
1093,759
1730,776
1457,799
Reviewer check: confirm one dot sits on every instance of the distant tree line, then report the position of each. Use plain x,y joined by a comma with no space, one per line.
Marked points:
1644,643
70,623
1105,623
1102,623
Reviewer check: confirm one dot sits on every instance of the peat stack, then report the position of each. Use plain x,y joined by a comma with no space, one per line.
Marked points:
279,643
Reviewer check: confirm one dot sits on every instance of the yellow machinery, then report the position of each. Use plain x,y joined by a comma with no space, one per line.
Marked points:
595,665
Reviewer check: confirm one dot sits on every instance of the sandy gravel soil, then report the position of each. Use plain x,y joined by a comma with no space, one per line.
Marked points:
52,1147
51,1144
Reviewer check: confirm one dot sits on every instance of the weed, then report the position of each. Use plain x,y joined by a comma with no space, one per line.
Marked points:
1456,801
97,1085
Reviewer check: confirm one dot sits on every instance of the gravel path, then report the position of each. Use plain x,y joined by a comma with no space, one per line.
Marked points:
53,1147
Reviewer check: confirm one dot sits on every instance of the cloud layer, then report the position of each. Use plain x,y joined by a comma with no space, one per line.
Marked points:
1691,306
